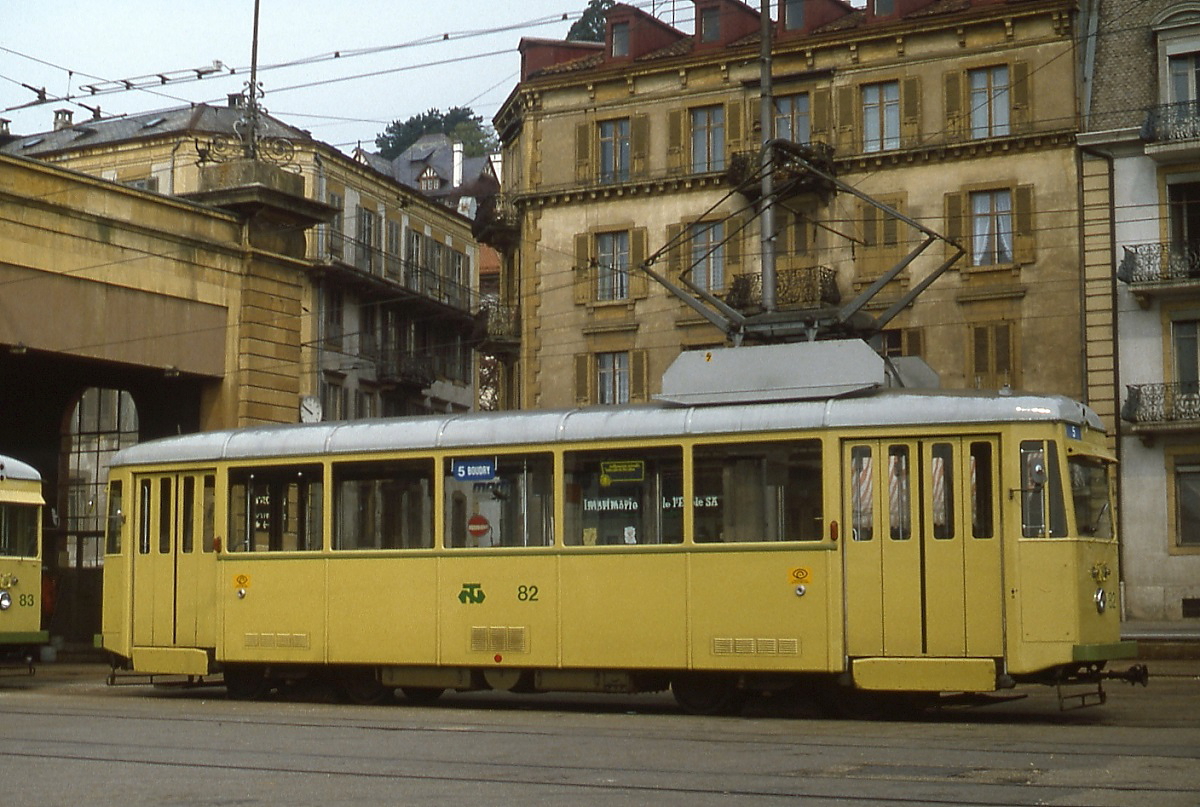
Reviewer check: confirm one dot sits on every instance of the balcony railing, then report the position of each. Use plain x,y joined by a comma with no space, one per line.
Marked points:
811,287
374,262
498,327
1159,263
1162,404
1172,123
497,222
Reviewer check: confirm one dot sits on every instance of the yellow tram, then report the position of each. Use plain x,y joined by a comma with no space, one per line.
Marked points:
20,560
881,542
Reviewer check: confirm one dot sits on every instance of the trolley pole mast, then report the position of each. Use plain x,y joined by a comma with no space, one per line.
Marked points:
252,134
767,204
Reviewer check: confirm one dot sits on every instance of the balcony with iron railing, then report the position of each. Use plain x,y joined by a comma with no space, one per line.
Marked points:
366,263
498,328
812,287
497,222
1172,132
1162,408
1153,270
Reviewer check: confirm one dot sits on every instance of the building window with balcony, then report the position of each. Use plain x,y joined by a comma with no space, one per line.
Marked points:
333,318
1183,203
415,260
988,100
708,139
708,255
792,121
881,116
336,227
1186,345
366,253
614,150
612,266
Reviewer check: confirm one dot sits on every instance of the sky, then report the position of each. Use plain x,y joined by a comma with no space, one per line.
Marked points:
363,63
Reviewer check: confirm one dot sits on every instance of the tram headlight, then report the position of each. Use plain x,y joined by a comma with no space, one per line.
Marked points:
1101,600
5,601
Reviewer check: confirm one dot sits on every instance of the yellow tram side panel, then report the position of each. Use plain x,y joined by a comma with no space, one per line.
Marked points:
382,609
762,610
498,608
1052,606
274,608
116,623
22,576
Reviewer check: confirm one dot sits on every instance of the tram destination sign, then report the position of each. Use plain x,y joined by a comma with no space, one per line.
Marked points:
473,469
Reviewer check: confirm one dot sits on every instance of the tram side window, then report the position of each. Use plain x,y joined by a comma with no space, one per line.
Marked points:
862,494
18,530
499,500
757,492
983,491
1043,512
383,505
624,497
209,503
899,493
275,509
116,518
1090,492
144,491
941,472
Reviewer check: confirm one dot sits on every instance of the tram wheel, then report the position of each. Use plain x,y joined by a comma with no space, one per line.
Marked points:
422,694
245,682
707,693
361,686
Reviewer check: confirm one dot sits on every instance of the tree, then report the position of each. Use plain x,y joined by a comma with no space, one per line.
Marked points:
590,27
460,123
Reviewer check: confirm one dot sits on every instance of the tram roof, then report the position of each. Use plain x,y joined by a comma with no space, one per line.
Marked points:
12,468
486,429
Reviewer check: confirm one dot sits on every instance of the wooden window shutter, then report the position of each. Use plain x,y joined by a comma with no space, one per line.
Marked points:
847,114
735,119
889,231
583,379
583,152
821,114
676,249
583,268
955,123
638,375
1024,240
735,235
639,145
676,138
871,234
1021,92
638,280
910,111
955,220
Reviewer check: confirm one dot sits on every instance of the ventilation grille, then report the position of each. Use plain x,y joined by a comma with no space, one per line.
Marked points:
723,646
493,639
299,640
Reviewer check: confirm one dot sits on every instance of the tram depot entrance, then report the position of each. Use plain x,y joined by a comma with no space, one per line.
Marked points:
922,548
171,572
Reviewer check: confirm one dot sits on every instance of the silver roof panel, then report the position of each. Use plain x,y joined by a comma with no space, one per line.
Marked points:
12,468
902,409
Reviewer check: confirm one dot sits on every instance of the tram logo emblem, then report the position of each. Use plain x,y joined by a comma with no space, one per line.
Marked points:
471,594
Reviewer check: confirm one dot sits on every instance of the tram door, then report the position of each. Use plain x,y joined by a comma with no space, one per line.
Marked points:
922,548
174,562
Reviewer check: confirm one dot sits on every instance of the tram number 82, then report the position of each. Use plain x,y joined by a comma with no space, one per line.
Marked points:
527,593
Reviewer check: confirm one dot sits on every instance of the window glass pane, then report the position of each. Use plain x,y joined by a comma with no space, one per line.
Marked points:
941,478
1090,493
383,505
209,503
116,518
499,501
188,515
276,509
1058,507
1033,488
758,492
144,518
862,494
1187,495
619,497
166,514
982,491
18,530
899,494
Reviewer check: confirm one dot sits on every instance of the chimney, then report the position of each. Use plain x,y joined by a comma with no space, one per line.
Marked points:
4,127
62,119
458,164
236,100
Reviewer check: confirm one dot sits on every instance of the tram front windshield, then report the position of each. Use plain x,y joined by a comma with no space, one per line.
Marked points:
1091,494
